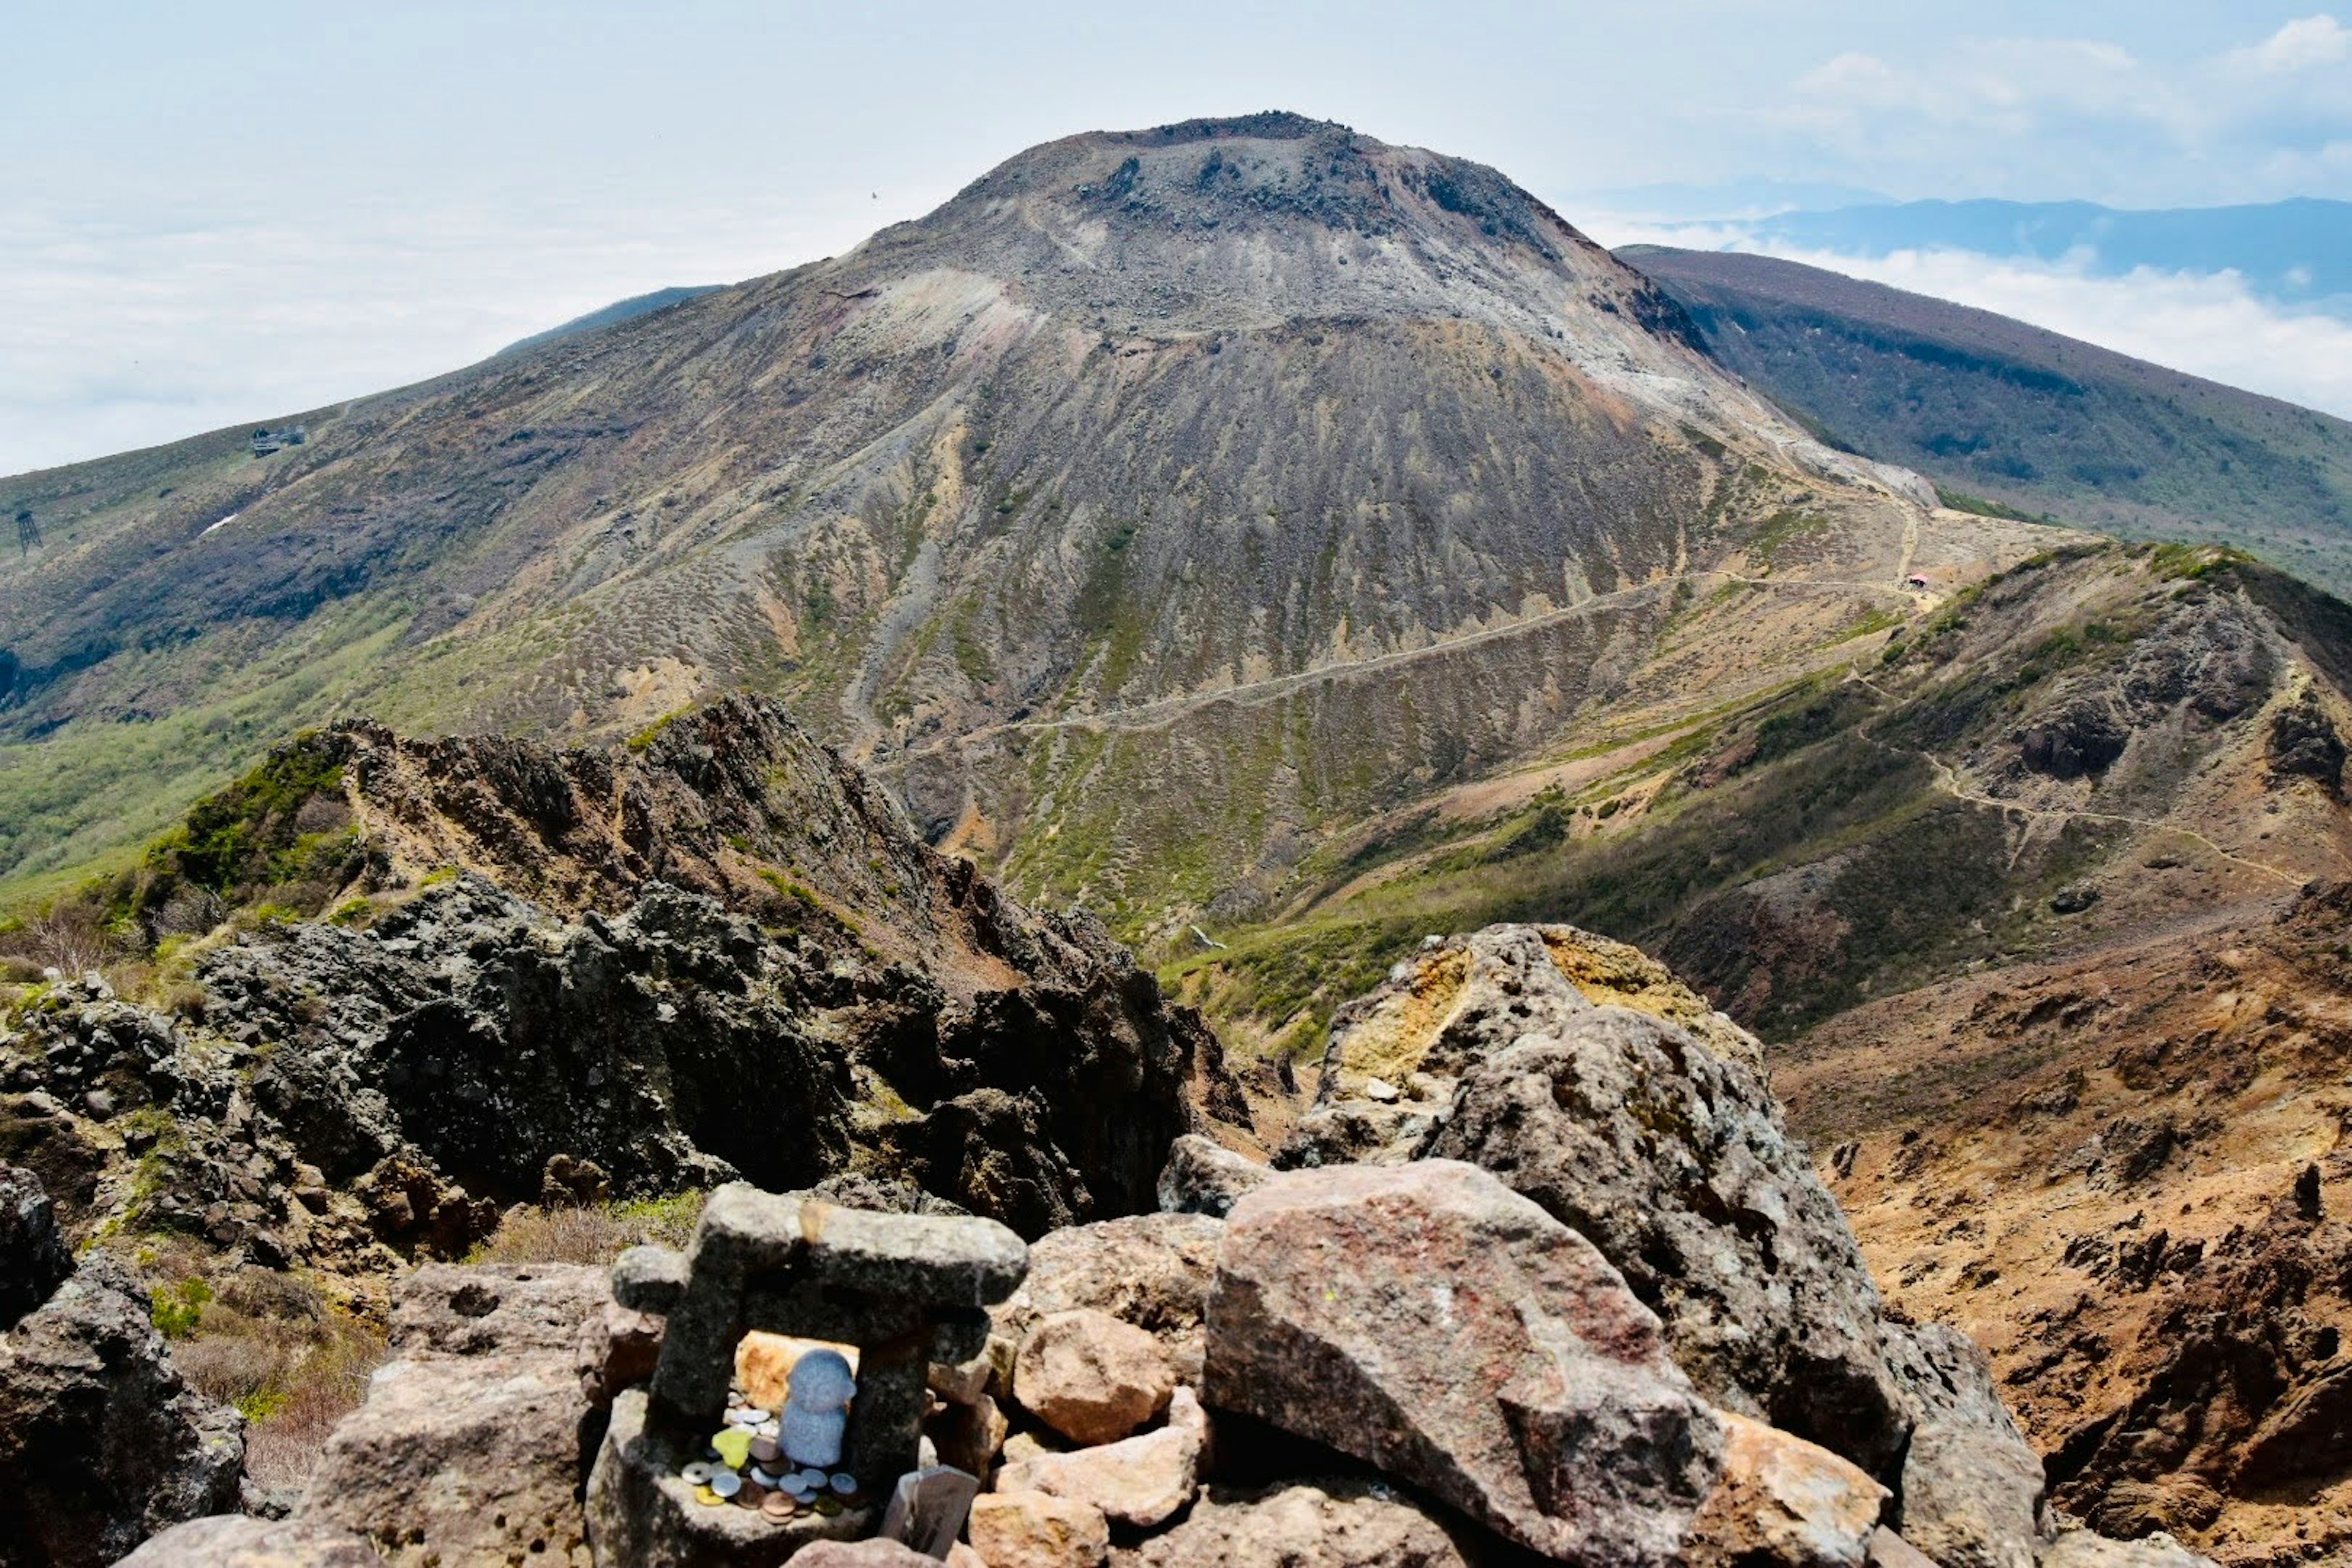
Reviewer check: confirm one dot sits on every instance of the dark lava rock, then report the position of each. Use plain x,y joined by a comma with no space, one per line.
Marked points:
100,1443
2082,735
2303,744
32,1255
631,1000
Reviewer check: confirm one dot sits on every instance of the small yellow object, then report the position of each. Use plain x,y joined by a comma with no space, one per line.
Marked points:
708,1497
734,1446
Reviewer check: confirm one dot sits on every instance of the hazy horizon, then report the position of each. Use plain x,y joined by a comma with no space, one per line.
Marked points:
224,213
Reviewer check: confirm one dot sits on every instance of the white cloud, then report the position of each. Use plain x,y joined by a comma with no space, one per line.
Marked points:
2302,44
118,336
2057,117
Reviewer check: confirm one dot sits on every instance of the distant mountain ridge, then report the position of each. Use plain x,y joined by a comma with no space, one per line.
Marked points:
1993,408
2295,252
1135,418
614,314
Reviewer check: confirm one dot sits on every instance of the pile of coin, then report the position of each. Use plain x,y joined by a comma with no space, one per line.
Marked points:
744,1467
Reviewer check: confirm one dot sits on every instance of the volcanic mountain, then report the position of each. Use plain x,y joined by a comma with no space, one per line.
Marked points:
1292,547
1134,422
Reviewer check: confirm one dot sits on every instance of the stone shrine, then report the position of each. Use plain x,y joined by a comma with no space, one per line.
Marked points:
905,1290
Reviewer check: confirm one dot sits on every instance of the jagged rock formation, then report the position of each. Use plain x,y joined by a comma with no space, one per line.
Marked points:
1362,1365
102,1445
833,994
1664,1148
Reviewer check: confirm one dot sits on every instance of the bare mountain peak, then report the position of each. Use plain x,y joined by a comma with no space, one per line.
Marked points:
1266,170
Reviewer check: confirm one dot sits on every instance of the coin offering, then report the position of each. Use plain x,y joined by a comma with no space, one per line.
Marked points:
844,1484
764,1478
706,1498
829,1507
778,1506
696,1473
763,1450
726,1483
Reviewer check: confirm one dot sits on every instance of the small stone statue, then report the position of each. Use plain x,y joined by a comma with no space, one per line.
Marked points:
816,1411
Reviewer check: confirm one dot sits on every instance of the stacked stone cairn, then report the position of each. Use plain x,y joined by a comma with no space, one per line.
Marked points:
690,1472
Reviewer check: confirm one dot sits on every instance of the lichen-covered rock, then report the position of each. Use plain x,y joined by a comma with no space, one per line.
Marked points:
1670,1157
1667,1152
102,1445
1091,1377
1303,1524
1432,1322
468,1447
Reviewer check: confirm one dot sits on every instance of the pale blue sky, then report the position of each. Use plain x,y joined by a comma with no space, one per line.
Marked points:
214,213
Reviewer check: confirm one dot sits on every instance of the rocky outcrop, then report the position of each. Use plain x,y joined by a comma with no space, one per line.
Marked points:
1665,1149
468,1447
102,1445
472,1444
33,1256
1432,1323
812,987
1303,1524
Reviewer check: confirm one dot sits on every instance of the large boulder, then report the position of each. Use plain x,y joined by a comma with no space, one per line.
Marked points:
236,1541
1429,1321
1152,1271
33,1256
1627,1110
1303,1524
1666,1151
102,1445
470,1447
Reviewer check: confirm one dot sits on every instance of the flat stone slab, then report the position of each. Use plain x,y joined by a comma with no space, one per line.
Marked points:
643,1514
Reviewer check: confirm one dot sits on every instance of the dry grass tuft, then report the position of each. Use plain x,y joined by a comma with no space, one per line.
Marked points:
270,1344
597,1233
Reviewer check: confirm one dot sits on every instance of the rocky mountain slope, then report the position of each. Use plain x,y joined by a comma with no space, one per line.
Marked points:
1591,1330
1993,408
1137,422
452,976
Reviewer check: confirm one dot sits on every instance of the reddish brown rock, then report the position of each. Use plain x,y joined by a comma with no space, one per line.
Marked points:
1428,1321
1785,1501
1091,1377
1140,1482
874,1554
1033,1530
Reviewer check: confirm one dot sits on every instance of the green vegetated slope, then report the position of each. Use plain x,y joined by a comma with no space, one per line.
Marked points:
1137,419
2095,744
1994,409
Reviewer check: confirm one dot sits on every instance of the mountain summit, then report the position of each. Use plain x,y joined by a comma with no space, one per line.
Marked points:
1137,417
